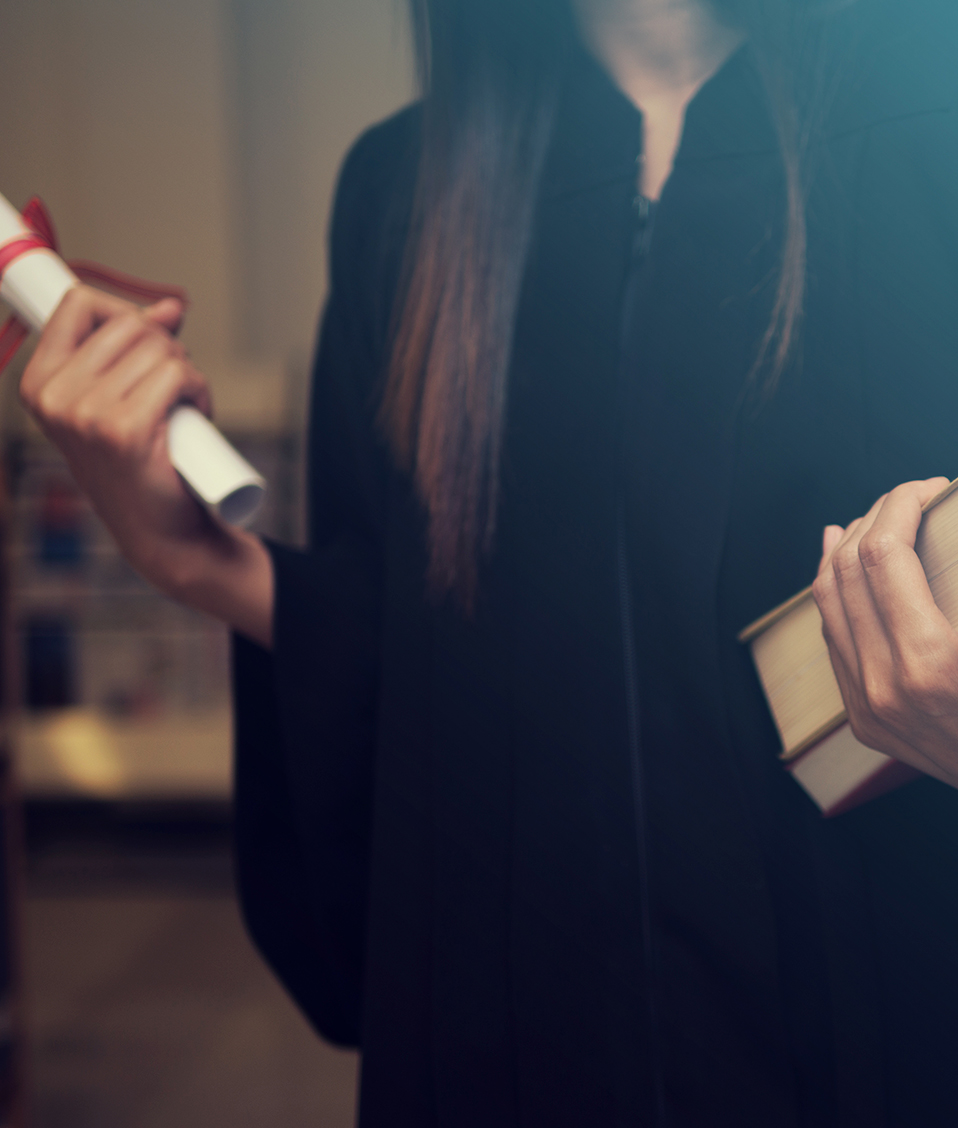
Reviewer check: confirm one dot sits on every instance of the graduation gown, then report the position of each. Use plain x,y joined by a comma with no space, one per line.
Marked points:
541,863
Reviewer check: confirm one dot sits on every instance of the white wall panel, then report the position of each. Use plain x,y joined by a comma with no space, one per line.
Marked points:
197,141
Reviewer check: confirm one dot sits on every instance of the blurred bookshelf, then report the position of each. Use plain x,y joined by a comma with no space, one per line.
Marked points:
124,693
12,1038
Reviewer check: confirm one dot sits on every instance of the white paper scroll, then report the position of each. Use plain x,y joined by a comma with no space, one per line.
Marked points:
215,472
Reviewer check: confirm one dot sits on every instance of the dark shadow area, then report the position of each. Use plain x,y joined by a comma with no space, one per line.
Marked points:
84,846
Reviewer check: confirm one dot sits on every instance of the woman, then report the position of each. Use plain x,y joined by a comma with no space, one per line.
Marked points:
509,810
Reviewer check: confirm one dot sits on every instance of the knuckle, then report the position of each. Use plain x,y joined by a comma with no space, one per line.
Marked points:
876,548
99,429
927,684
153,350
175,371
156,333
923,695
884,702
132,321
46,403
846,564
121,438
84,420
823,587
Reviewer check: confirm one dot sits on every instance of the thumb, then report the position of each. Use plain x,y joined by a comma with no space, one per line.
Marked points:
167,312
930,488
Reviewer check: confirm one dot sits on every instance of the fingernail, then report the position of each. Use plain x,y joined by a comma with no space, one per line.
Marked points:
831,535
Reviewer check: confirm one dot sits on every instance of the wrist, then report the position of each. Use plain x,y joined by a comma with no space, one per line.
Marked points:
229,576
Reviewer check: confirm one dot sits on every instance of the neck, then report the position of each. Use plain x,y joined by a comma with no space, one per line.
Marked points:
656,49
659,52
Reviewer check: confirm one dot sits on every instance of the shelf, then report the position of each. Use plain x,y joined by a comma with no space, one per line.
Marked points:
125,692
83,753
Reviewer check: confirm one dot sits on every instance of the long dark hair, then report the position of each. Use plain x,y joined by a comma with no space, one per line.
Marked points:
490,72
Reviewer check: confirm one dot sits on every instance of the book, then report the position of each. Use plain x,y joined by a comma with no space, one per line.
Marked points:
791,657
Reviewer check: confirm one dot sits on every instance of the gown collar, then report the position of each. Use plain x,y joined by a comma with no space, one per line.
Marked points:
881,65
597,136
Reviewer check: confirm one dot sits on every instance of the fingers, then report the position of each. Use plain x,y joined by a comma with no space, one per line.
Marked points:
124,410
109,362
89,332
95,351
843,598
894,654
102,383
923,646
169,313
856,629
170,383
892,570
104,349
82,311
881,716
887,604
831,536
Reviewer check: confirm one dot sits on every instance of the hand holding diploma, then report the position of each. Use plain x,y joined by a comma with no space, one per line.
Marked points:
34,279
102,384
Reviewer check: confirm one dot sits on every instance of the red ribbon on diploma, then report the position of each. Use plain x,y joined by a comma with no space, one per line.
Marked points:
43,235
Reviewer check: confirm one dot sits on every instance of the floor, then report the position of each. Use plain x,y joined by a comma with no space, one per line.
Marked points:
148,1006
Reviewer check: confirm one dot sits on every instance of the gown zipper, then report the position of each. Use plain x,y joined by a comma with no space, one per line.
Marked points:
643,213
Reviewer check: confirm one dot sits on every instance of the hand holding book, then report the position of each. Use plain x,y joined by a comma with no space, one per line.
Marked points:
893,650
860,670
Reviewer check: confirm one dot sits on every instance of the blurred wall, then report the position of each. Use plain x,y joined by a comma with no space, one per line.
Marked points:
196,142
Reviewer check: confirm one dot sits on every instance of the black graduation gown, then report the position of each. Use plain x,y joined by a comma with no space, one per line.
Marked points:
542,863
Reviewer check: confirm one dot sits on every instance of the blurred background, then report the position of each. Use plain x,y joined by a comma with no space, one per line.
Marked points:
194,142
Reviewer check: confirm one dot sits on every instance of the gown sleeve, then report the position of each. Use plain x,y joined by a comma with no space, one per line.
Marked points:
305,713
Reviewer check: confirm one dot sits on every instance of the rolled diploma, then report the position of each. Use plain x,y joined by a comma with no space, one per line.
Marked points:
34,285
